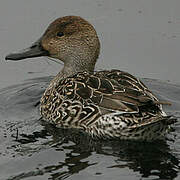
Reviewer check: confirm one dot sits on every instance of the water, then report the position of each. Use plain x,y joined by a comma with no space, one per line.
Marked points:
141,37
31,149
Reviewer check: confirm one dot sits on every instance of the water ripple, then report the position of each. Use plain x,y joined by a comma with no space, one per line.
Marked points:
30,148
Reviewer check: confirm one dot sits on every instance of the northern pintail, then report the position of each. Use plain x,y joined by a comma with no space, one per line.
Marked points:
104,104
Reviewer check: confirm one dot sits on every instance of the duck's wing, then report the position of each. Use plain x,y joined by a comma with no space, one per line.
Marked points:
112,91
128,91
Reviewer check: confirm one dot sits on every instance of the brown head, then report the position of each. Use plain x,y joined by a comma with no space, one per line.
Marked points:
71,39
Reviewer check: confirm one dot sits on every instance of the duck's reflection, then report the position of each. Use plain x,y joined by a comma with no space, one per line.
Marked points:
148,159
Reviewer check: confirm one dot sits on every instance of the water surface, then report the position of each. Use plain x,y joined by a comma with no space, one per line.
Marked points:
32,149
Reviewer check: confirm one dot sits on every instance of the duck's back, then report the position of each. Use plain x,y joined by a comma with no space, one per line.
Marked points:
105,104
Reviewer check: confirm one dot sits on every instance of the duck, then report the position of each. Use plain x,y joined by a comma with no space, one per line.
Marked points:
104,104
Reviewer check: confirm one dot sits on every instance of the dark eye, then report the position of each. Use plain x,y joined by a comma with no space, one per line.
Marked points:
60,34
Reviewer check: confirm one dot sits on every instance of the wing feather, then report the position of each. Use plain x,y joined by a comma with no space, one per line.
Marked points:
114,90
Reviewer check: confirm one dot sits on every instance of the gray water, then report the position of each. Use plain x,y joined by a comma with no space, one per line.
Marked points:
141,37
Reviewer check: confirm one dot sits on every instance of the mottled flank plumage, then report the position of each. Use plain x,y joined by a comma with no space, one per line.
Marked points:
105,104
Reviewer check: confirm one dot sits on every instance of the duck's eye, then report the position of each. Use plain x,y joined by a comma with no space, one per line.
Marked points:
60,34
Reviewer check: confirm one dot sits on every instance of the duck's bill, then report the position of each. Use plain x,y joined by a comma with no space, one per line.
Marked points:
35,50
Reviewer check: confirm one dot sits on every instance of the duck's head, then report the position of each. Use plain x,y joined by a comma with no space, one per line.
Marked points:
71,39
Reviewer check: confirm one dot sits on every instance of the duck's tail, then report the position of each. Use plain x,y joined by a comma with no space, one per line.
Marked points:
152,130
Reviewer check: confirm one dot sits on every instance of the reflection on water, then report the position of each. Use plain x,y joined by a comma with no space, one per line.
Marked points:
30,148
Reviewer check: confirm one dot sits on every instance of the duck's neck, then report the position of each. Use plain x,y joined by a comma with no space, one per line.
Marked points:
83,61
71,69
